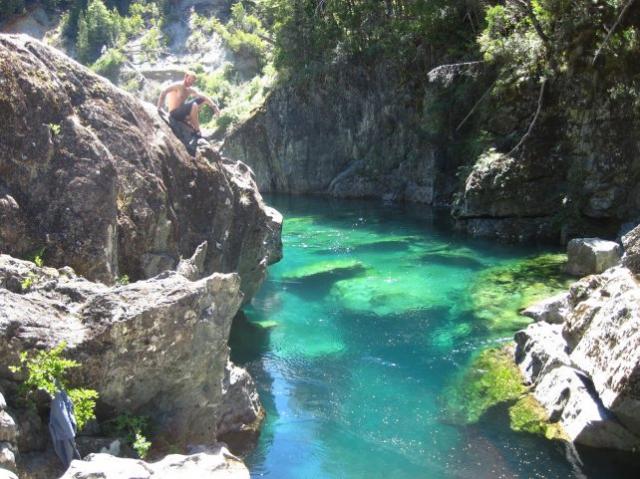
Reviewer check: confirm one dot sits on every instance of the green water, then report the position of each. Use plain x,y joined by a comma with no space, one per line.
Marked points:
359,333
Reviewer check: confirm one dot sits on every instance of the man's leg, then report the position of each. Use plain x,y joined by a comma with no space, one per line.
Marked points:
193,117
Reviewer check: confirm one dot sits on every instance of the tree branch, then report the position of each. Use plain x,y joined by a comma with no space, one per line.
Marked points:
475,106
613,29
533,122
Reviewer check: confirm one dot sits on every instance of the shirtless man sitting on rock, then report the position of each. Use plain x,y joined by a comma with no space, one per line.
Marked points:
184,101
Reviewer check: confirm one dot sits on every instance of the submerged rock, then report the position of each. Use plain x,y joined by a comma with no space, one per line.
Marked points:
335,267
591,256
216,463
491,378
156,347
99,180
500,293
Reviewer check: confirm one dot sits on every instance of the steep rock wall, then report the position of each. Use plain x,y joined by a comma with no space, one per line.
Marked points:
349,132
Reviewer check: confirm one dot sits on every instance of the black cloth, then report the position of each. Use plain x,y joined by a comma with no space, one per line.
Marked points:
184,110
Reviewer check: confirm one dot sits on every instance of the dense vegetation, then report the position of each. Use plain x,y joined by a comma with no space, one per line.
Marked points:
529,50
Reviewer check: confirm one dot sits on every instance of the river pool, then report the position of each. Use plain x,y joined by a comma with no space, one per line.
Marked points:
360,339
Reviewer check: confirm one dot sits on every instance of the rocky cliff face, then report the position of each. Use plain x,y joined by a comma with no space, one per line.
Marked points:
156,347
98,180
359,132
352,132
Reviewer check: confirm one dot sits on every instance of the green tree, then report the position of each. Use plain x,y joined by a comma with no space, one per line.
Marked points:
98,28
9,7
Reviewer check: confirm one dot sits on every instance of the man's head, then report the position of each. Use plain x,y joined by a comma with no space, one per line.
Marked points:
189,78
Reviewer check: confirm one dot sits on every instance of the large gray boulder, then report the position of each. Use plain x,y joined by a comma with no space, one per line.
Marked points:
156,347
99,180
216,463
591,256
585,368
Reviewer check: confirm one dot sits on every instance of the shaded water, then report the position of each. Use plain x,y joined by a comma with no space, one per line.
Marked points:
356,335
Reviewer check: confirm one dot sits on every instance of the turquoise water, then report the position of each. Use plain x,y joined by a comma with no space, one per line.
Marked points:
356,335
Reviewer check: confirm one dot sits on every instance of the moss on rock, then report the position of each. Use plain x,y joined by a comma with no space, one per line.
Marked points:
499,294
491,378
527,415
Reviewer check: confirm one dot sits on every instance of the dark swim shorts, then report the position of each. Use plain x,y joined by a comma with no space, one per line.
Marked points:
184,110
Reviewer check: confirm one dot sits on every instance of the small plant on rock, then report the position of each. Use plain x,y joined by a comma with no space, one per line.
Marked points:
45,371
134,430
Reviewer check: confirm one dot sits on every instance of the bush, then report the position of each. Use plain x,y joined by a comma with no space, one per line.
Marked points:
152,42
45,371
134,430
109,64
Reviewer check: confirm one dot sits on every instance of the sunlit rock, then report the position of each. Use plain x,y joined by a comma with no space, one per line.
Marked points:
591,256
217,463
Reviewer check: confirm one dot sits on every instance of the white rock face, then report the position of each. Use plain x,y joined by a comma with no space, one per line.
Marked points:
609,349
564,393
215,464
586,371
540,348
591,255
550,310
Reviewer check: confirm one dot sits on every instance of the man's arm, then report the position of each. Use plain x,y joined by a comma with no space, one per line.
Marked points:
196,93
164,93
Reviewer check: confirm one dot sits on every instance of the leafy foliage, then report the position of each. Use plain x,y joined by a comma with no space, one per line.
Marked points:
84,405
310,34
109,64
134,429
46,371
98,29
